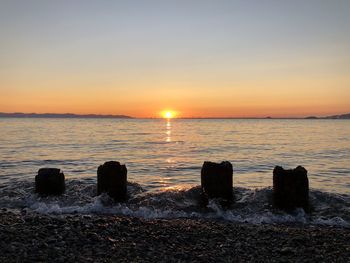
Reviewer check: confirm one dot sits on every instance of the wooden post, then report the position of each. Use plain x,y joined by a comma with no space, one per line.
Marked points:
216,180
290,188
49,181
112,179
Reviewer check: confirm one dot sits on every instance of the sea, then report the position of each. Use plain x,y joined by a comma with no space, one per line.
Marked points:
164,159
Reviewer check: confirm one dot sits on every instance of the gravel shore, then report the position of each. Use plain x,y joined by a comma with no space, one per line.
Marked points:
106,238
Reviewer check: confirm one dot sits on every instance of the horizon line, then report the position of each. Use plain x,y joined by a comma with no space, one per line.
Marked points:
94,115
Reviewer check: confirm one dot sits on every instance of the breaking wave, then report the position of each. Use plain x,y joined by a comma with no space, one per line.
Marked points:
250,206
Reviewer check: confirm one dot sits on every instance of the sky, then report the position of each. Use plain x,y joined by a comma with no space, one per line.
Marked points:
198,58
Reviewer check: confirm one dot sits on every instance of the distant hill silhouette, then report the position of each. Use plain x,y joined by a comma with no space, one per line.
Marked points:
59,115
342,116
333,117
110,116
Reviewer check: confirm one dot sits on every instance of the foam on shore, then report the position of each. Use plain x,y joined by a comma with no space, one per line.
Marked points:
250,206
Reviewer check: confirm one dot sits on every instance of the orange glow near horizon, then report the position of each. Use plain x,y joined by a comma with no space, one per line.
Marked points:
204,98
198,109
168,114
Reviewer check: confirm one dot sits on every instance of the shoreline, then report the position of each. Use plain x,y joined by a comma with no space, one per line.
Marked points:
36,237
250,206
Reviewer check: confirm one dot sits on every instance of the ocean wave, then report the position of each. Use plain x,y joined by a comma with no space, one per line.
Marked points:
250,206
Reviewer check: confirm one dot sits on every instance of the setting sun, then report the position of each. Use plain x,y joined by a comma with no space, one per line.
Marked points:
168,114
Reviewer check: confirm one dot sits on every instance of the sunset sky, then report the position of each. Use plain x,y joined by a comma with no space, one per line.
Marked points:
198,58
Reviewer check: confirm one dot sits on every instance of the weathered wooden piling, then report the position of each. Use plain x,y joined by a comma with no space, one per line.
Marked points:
290,188
112,179
49,181
216,180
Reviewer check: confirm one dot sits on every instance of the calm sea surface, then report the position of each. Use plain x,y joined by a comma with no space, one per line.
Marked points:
162,154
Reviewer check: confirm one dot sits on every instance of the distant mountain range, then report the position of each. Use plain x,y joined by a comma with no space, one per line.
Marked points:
59,115
333,117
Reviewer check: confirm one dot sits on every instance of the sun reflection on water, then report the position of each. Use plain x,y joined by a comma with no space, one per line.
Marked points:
174,150
168,131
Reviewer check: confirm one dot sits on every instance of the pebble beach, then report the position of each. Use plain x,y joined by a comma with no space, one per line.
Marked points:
108,238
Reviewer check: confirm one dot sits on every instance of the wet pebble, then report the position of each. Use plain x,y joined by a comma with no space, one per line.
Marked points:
74,238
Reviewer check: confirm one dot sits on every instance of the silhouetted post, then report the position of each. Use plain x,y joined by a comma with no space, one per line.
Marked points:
216,180
49,181
290,188
112,179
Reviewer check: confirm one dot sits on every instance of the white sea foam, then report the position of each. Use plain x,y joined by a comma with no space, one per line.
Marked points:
250,206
